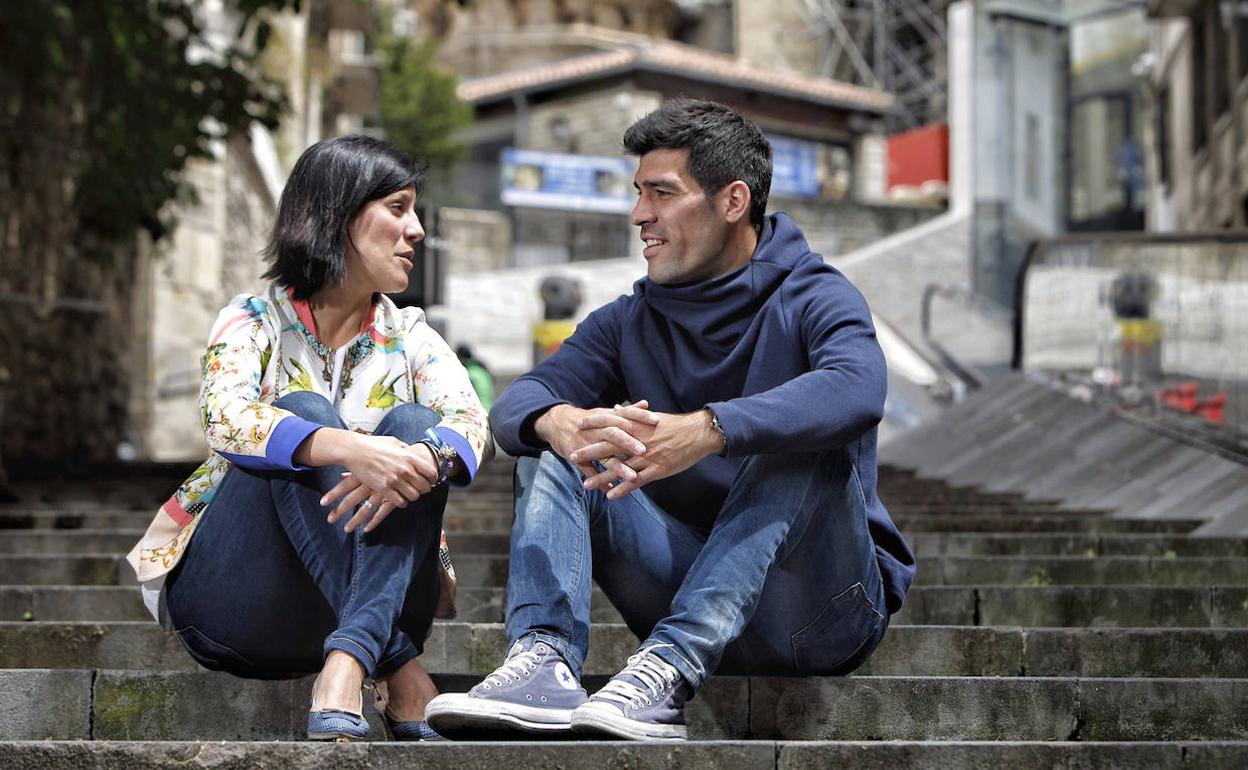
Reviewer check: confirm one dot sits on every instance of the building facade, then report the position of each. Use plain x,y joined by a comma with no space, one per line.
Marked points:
1198,159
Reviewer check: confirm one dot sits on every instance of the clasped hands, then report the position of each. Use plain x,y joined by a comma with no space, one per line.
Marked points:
623,448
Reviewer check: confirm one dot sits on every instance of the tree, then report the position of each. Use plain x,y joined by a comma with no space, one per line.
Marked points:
419,109
102,105
128,92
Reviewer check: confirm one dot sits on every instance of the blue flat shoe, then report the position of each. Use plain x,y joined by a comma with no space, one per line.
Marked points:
336,726
410,731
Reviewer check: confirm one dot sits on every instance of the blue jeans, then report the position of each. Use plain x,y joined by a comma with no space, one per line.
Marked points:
267,588
785,583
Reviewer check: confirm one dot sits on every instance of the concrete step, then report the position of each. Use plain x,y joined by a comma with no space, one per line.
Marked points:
108,517
144,705
1030,606
926,544
595,755
462,648
1093,606
120,541
490,571
499,521
931,544
37,541
1082,570
70,602
955,522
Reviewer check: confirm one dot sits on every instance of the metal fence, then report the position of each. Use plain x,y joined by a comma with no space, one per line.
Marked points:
1157,322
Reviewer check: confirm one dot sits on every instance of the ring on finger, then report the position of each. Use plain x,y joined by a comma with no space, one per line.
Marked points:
370,505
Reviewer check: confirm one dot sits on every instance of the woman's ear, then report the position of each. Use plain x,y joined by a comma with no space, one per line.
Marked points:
736,196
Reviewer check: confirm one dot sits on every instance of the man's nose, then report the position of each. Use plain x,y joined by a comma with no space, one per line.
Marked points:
642,212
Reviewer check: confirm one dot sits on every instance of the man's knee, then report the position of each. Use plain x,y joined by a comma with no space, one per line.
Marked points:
546,466
312,407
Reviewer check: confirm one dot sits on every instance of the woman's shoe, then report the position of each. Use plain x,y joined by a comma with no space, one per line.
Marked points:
410,731
336,726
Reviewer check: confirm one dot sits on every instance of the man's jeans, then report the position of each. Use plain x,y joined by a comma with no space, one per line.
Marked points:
267,587
786,582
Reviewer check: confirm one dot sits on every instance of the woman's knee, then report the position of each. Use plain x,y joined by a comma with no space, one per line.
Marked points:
310,406
408,422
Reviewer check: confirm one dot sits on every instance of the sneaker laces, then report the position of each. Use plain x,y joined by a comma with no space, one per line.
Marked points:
656,674
514,668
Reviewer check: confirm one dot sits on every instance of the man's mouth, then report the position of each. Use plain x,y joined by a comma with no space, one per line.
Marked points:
652,246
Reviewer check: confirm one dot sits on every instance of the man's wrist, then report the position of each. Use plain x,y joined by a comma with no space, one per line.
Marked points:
545,427
717,439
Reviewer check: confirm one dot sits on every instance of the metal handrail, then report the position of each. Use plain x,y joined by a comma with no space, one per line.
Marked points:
969,376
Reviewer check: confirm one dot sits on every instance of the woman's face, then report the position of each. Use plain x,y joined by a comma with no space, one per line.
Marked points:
382,240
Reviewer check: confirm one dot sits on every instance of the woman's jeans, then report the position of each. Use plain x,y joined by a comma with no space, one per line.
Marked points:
267,587
786,582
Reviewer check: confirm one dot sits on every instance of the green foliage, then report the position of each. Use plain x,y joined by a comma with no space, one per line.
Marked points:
140,91
419,110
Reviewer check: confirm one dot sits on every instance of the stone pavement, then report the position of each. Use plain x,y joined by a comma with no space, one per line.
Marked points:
1038,635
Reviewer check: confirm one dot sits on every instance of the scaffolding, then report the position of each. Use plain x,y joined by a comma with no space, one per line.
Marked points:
896,46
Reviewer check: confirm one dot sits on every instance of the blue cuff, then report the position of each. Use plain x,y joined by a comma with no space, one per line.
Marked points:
279,453
463,449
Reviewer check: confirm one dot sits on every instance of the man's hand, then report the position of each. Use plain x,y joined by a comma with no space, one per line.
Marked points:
673,443
583,436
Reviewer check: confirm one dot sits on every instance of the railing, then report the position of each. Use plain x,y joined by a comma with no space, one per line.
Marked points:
1157,323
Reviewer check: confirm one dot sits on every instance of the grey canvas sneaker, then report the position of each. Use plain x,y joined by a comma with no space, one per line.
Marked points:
644,702
534,691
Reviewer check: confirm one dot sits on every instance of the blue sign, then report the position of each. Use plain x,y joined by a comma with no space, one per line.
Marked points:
571,182
794,168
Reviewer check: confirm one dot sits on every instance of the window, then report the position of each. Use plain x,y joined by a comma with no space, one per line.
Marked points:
1196,44
1031,169
1240,25
1221,59
1161,135
349,45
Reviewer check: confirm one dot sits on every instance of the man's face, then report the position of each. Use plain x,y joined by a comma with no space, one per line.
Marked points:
685,232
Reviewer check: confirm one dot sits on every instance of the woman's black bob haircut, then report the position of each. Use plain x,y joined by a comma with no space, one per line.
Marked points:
330,183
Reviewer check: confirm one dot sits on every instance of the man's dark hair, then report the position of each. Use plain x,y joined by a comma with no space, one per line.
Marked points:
723,147
331,182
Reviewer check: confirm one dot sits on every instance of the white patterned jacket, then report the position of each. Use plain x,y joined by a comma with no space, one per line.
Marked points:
262,348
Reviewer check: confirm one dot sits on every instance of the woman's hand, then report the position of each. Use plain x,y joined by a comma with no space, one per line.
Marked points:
382,474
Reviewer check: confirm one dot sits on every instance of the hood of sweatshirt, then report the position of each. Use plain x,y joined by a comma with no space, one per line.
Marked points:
717,312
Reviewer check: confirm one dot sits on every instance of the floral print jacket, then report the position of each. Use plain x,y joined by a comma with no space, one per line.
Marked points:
262,348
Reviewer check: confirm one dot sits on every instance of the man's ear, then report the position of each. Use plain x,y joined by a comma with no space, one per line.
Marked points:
736,201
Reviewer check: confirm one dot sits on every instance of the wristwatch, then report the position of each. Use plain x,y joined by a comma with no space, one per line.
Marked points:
444,452
723,436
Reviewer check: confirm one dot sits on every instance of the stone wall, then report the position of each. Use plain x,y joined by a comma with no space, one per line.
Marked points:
842,227
65,324
213,255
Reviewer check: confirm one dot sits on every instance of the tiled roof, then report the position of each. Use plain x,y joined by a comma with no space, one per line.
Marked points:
675,59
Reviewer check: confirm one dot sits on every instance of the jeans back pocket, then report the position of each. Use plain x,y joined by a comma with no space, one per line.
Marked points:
838,634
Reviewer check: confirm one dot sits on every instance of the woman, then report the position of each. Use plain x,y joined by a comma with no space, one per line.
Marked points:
335,420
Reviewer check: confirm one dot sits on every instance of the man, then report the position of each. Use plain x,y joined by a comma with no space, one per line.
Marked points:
705,448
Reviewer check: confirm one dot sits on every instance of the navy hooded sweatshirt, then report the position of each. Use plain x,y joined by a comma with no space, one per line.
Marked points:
782,350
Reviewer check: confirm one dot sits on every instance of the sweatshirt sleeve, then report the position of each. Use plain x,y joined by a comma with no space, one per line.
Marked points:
237,423
583,372
833,404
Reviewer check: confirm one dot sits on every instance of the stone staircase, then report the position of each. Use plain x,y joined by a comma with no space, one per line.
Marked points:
1036,635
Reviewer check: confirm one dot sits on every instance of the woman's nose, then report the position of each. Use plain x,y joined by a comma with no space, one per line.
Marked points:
414,231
